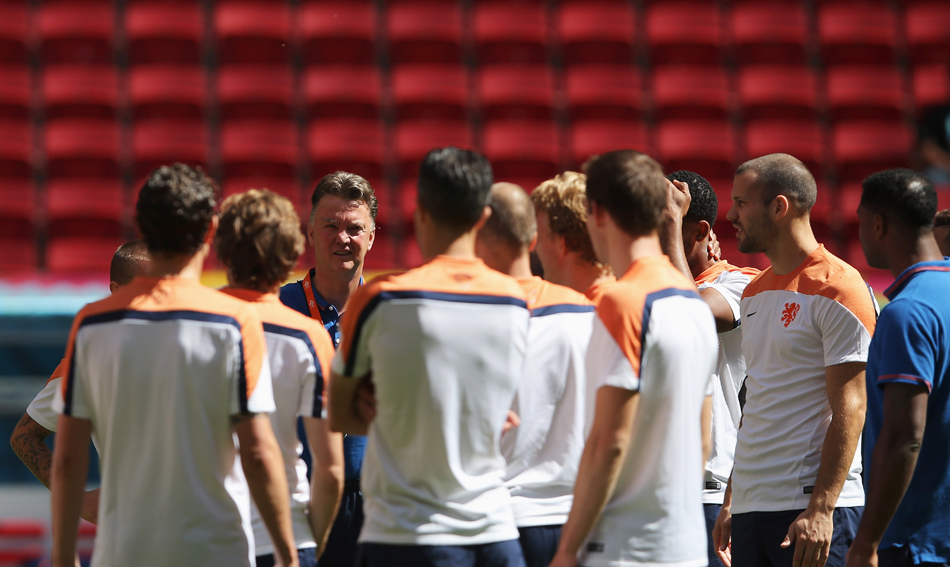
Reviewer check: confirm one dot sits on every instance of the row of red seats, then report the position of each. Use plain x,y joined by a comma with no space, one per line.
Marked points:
257,31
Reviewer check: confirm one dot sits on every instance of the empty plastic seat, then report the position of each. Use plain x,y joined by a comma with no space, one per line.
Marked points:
425,32
76,32
15,92
863,147
866,92
596,32
162,142
778,92
253,32
18,255
684,32
285,186
594,137
82,147
342,90
17,201
164,32
691,92
259,147
416,138
168,92
81,254
928,40
523,149
265,92
931,85
707,147
804,140
383,256
770,33
604,91
430,91
511,33
848,199
85,198
859,33
80,92
338,32
349,145
16,149
516,92
14,29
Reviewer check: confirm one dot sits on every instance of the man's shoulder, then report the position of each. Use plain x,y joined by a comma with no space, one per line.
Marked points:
293,296
549,298
445,278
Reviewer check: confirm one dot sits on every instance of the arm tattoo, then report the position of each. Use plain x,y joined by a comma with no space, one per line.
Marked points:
27,443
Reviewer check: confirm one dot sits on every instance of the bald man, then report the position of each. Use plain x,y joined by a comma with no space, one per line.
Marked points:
544,451
942,231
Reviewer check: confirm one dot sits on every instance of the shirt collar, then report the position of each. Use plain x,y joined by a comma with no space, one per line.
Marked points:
902,280
322,303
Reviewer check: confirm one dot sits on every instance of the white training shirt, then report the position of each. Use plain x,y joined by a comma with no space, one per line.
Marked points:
160,368
444,344
654,335
730,281
793,327
544,451
41,408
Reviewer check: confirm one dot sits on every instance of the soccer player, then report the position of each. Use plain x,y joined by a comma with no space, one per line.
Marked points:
795,495
543,452
564,247
684,234
638,496
444,346
906,520
341,230
39,421
258,241
165,373
942,231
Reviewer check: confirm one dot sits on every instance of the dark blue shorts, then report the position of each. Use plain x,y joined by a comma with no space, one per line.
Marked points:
757,537
501,554
711,512
900,557
539,544
308,558
341,543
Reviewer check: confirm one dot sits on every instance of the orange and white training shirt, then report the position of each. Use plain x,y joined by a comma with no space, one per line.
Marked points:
544,451
160,368
793,327
444,344
41,408
656,336
299,353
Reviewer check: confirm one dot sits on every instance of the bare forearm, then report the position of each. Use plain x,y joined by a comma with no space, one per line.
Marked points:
344,417
27,443
268,486
326,491
837,454
671,241
70,467
892,467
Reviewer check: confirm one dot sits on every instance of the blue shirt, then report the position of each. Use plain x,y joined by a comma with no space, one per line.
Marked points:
911,345
293,296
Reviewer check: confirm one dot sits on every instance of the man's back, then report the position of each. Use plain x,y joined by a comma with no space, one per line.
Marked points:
160,368
445,344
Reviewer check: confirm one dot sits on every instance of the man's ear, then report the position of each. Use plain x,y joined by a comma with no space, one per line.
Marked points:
880,226
212,230
534,242
780,207
113,285
701,231
486,212
372,237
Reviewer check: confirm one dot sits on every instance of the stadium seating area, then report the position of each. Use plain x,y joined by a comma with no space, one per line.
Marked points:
270,93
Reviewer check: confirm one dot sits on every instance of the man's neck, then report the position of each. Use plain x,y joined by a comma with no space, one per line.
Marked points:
336,290
520,266
177,266
445,242
792,247
624,249
581,275
923,248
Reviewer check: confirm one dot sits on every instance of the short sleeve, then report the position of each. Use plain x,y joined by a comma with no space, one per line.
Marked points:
607,364
41,408
71,396
352,359
904,345
313,393
845,325
730,286
253,391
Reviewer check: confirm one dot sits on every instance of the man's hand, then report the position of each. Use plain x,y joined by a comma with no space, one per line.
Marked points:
511,422
563,560
366,400
722,536
713,250
811,533
90,506
861,555
678,199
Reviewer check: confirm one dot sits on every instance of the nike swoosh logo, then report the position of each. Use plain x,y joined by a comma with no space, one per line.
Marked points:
751,314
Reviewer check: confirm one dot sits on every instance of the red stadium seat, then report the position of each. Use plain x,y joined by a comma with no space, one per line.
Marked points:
383,254
17,255
849,197
81,254
770,33
523,150
425,32
82,147
253,32
77,32
409,254
927,38
256,92
14,30
430,92
931,85
415,139
161,142
167,92
863,147
164,32
406,202
778,92
604,92
80,92
594,137
338,32
17,200
16,149
511,33
99,200
516,92
858,33
259,147
285,186
684,32
596,32
804,140
707,147
349,145
691,92
15,91
343,91
867,92
23,541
